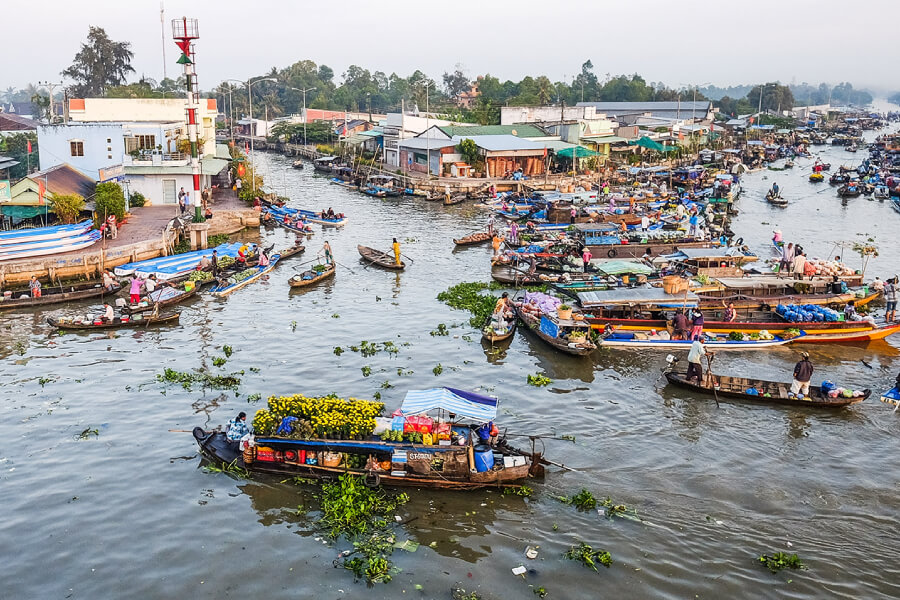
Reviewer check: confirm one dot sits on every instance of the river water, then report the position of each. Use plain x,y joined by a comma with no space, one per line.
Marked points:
131,511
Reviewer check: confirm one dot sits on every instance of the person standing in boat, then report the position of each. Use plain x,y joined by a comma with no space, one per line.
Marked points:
775,190
237,429
803,371
108,281
513,233
586,256
35,286
214,263
695,356
787,258
326,250
890,298
108,313
799,265
680,325
150,284
490,227
696,324
135,290
396,248
730,314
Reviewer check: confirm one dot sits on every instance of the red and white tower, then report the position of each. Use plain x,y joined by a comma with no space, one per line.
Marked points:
185,31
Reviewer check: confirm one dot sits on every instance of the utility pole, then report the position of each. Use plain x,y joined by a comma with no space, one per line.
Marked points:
162,31
250,83
50,87
303,91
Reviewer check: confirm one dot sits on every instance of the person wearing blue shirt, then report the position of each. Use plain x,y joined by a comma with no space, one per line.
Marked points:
237,429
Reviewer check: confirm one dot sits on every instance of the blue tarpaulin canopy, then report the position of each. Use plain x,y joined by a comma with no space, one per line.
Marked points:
463,403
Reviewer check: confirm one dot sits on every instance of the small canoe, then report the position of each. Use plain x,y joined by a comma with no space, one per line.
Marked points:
244,278
489,334
776,200
636,339
311,277
116,323
160,298
297,164
778,393
379,258
457,199
892,397
473,238
534,324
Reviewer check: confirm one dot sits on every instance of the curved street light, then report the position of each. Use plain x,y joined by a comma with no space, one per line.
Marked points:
303,91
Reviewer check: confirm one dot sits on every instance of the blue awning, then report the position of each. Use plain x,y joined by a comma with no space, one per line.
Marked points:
460,402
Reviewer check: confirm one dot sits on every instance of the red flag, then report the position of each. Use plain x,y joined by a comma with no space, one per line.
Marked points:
29,146
246,148
41,191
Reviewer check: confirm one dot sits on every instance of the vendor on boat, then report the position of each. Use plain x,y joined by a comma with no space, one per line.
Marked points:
503,307
237,429
729,315
108,313
775,190
696,324
326,250
109,282
244,249
150,284
214,263
695,355
396,248
35,286
680,327
263,259
803,371
850,314
890,298
135,290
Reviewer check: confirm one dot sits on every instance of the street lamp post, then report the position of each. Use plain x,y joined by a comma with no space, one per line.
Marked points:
303,91
250,83
50,87
427,83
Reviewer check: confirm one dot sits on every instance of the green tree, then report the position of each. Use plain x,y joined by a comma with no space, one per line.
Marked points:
67,207
469,150
99,64
108,200
456,82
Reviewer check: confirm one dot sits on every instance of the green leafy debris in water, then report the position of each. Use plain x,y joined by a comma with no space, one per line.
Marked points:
218,361
293,325
539,380
45,380
583,500
438,369
466,296
202,378
567,437
87,434
338,350
458,593
335,316
588,556
231,469
540,592
366,370
440,331
611,509
386,385
781,560
228,351
520,490
254,398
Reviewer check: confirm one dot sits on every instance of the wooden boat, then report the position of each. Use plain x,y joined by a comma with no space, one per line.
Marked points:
116,323
160,298
227,286
768,322
379,258
892,397
877,333
550,329
62,245
725,386
637,339
489,334
637,250
456,199
57,294
297,164
776,199
849,191
54,232
816,177
311,277
473,238
463,466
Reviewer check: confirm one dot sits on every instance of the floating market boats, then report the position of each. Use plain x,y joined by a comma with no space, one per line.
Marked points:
244,278
567,335
892,397
55,294
496,335
53,232
78,324
177,265
412,450
162,297
872,334
816,177
637,339
772,392
40,247
479,237
379,258
311,276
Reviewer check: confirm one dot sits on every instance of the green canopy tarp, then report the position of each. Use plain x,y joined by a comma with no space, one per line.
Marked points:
646,142
580,152
21,212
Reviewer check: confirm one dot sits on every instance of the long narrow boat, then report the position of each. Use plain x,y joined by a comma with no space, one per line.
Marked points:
237,281
773,392
116,323
775,327
379,258
457,199
161,298
65,245
58,294
30,244
152,265
878,333
635,339
479,237
461,466
489,334
545,327
17,236
311,277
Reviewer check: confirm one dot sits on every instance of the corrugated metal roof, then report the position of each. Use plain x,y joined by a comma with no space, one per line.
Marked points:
522,130
497,143
606,139
65,179
12,122
223,152
648,106
425,143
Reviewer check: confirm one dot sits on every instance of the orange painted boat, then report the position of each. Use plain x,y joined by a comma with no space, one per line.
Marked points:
879,333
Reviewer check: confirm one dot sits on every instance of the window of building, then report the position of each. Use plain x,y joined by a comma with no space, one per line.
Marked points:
76,148
109,156
109,140
140,142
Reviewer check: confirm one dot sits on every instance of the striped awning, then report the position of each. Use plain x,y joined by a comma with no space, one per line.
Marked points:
460,402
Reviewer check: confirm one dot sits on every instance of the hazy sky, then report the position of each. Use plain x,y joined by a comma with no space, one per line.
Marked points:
678,43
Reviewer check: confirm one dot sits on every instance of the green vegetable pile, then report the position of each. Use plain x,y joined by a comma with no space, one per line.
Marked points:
539,380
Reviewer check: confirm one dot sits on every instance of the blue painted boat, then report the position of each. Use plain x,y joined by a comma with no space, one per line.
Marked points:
633,339
18,236
148,266
67,245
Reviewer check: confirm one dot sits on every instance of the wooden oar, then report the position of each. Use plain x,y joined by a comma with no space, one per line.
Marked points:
710,376
345,266
405,256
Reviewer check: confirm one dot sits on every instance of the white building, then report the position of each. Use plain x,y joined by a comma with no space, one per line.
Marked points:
400,126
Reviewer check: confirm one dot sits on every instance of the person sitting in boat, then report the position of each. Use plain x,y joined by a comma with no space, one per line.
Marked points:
803,371
237,429
263,259
108,281
108,313
680,326
695,366
150,284
504,306
850,314
330,213
207,214
242,253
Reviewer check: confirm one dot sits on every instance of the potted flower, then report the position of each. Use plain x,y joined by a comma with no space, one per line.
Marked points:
564,312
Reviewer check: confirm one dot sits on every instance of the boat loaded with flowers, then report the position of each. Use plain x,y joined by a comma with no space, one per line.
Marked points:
325,437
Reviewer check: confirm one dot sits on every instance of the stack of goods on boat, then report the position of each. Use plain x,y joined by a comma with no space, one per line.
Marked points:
45,241
328,436
555,323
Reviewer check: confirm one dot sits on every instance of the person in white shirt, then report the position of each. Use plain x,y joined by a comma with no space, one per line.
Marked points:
645,223
150,284
108,314
695,367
